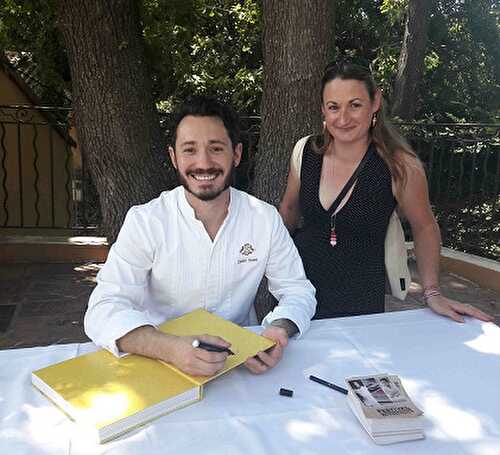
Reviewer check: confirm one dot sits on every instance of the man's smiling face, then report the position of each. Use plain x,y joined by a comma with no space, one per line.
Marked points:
204,156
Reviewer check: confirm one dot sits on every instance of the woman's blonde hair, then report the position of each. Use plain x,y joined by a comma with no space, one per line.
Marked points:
387,139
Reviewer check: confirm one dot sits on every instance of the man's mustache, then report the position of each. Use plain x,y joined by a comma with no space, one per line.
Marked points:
212,170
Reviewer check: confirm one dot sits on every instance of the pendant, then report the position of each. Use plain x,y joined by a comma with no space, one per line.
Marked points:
333,233
333,237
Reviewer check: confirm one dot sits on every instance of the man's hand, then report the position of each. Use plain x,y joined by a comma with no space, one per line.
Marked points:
454,310
197,361
178,351
263,361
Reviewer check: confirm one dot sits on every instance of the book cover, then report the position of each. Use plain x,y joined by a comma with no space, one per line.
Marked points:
113,395
383,407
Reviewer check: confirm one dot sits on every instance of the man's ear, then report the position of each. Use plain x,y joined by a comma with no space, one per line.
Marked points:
171,152
238,150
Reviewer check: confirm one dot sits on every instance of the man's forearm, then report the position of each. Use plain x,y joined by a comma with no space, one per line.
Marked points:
176,350
147,341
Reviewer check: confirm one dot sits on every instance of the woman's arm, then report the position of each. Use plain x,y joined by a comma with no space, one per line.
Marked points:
413,200
290,206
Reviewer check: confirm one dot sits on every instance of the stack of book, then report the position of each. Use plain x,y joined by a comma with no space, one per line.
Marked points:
384,408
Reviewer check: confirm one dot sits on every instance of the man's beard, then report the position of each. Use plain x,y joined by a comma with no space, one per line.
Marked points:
211,193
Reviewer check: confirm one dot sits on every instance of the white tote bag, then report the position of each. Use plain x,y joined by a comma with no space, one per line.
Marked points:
396,258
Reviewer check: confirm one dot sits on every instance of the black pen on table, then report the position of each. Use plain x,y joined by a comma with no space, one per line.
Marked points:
211,347
328,384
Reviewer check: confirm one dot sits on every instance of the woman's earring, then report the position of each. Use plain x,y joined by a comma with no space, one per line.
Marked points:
374,120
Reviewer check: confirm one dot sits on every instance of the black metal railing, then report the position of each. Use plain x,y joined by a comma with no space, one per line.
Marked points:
43,178
463,170
44,181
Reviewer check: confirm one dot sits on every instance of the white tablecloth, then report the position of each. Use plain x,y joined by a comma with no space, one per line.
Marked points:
451,370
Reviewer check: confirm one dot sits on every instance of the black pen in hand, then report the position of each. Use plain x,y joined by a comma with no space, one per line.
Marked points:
211,347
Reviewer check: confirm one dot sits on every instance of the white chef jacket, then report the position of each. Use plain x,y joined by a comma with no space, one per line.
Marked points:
164,264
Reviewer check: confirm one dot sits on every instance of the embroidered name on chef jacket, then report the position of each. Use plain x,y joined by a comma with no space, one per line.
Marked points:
246,250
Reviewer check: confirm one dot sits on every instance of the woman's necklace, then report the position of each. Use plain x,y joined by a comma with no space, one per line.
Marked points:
333,233
333,216
344,192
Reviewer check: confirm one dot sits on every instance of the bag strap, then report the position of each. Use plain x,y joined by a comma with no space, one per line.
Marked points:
351,180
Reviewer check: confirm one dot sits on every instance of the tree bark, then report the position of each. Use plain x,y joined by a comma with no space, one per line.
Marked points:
411,59
297,36
116,119
296,42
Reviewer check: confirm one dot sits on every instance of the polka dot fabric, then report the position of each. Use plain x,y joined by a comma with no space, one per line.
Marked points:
350,277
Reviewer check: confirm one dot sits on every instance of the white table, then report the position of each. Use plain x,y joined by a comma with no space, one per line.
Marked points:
451,370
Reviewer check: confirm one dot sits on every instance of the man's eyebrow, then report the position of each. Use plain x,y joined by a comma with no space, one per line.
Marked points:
188,143
211,142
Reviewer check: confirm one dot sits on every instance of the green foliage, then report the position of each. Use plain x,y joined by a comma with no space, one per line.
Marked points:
214,47
193,46
462,80
394,10
462,64
28,27
205,47
371,33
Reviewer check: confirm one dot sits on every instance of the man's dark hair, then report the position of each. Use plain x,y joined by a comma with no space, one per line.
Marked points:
203,106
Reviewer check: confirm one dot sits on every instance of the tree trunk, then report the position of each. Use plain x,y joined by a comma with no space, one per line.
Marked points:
117,123
411,59
296,42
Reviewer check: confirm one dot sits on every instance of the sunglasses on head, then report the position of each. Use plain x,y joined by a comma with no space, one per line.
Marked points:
345,61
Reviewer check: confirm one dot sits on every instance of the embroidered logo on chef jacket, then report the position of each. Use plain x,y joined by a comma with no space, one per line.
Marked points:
246,250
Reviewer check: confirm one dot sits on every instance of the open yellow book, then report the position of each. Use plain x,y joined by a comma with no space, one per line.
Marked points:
111,396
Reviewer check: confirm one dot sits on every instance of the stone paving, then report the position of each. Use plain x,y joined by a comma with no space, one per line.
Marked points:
49,301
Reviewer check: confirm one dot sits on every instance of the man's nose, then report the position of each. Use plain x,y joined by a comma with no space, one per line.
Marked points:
204,160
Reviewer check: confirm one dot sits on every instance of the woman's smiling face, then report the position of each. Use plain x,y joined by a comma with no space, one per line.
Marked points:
348,109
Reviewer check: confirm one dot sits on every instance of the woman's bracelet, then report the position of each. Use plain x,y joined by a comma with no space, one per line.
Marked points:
431,291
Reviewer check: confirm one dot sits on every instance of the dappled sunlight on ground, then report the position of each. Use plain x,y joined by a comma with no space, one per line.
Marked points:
321,425
89,271
415,287
483,344
87,240
334,354
455,284
89,267
456,423
46,426
450,422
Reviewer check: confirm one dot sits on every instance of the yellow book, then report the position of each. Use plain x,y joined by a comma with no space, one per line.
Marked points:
111,396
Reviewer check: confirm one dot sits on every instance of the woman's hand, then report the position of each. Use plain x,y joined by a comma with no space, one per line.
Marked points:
455,310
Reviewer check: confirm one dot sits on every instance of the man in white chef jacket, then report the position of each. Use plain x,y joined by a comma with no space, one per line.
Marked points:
202,245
